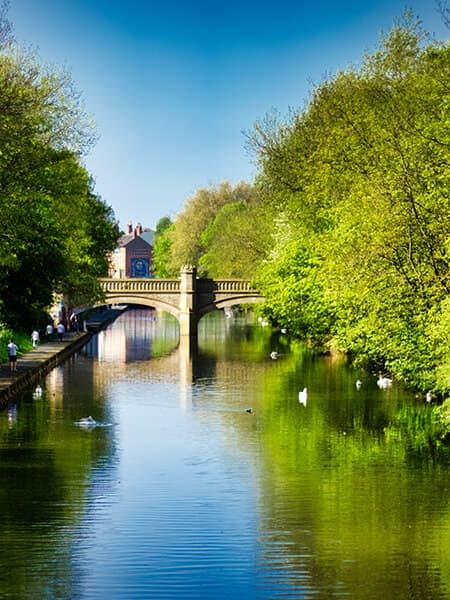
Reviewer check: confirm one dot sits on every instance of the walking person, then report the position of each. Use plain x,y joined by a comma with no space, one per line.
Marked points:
35,338
49,331
12,355
60,329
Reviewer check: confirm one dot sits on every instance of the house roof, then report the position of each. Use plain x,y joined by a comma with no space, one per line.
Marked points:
147,235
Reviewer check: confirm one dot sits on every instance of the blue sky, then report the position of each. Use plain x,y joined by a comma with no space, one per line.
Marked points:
173,84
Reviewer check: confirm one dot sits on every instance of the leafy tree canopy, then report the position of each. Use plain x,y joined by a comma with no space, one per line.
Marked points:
360,181
55,231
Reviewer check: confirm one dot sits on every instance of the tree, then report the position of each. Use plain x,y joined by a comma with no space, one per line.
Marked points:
360,181
237,240
162,248
55,231
197,214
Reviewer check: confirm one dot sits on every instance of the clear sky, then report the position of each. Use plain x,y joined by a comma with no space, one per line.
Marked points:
172,84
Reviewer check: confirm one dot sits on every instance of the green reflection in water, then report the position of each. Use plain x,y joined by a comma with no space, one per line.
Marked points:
354,484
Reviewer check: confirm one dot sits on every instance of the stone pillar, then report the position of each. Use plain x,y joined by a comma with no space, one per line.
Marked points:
188,319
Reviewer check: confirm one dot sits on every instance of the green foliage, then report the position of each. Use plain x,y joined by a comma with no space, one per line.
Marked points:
360,182
55,232
197,215
290,279
162,249
236,240
444,415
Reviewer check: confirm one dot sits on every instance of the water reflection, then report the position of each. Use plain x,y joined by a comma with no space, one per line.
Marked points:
187,495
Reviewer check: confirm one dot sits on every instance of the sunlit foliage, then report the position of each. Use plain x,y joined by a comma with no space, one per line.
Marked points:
55,232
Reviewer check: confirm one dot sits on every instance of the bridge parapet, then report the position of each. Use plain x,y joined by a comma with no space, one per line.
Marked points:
224,285
140,285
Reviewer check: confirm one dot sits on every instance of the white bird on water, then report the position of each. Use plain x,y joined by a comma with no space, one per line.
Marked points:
303,396
384,382
274,355
87,422
37,392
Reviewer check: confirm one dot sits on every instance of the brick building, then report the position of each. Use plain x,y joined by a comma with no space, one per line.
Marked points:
133,257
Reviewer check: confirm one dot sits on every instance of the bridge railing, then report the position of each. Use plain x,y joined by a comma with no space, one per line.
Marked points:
224,285
140,285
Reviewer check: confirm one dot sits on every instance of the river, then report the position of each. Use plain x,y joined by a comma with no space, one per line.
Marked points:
207,478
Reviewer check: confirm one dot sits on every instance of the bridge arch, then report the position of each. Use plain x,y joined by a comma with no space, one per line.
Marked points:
228,303
143,301
187,298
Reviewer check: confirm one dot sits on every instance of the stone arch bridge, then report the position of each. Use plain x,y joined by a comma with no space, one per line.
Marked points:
187,298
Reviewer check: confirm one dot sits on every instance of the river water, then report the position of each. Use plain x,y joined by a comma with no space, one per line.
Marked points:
207,478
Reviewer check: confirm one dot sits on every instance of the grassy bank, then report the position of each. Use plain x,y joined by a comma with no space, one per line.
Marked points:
23,340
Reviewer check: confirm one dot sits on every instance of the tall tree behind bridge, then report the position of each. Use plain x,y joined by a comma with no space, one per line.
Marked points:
200,210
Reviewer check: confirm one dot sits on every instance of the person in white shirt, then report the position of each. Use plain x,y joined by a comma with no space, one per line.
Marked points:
49,331
12,355
35,338
60,329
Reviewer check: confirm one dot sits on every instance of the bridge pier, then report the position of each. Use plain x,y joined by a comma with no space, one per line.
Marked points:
187,315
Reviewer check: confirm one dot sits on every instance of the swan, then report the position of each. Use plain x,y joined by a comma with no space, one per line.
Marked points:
303,396
86,422
37,392
90,423
274,355
384,382
358,384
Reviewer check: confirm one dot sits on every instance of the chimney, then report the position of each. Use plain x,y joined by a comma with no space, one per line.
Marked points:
130,227
138,229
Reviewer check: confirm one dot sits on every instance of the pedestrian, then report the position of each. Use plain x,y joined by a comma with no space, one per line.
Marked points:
60,329
49,331
73,322
12,355
35,338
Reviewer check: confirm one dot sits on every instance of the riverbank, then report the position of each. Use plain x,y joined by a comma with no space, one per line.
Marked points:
34,365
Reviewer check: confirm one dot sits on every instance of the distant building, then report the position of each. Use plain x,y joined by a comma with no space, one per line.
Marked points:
134,255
